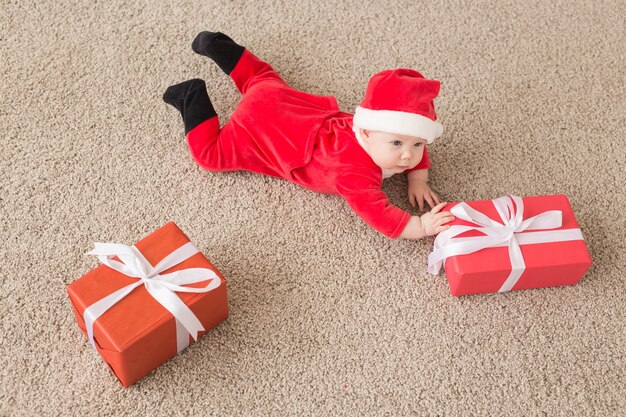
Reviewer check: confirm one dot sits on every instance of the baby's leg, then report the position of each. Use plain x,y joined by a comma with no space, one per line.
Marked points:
244,68
214,149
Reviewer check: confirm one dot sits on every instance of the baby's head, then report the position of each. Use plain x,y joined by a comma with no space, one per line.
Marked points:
397,118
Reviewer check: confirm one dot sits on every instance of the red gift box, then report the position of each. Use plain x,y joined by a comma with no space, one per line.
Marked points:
549,252
137,333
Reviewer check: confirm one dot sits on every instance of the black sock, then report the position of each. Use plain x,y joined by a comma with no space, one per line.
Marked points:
220,48
192,100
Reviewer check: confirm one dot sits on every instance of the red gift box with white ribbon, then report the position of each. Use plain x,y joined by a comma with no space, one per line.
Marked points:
148,301
510,243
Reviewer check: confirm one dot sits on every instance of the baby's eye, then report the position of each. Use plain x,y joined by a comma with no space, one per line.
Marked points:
418,144
397,142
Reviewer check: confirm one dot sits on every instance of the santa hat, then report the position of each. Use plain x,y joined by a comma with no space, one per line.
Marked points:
400,101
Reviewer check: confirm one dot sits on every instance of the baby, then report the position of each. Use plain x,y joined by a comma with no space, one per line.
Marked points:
304,138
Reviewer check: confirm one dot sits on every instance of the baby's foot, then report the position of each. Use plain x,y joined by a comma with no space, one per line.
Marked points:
220,48
192,101
175,94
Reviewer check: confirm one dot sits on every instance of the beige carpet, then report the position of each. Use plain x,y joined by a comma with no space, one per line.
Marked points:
328,317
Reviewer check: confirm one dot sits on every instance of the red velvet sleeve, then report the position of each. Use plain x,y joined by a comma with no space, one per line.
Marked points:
364,195
423,164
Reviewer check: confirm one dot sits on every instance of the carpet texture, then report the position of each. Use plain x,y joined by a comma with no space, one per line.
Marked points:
328,317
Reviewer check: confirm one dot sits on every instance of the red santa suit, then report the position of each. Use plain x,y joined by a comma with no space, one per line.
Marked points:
304,138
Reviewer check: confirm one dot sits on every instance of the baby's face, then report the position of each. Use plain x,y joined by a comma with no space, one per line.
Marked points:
392,151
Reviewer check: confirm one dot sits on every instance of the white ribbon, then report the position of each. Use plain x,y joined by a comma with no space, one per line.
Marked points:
508,233
160,286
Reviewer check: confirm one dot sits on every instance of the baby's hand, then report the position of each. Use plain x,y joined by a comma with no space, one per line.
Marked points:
420,191
434,222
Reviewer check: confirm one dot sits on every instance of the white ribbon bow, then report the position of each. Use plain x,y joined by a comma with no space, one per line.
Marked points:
160,286
508,233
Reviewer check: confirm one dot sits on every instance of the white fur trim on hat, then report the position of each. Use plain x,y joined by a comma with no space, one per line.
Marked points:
399,122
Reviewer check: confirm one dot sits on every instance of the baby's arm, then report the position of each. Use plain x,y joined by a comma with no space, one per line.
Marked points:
419,190
428,224
365,197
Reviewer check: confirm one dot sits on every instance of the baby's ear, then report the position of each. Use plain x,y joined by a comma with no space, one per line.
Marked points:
365,134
